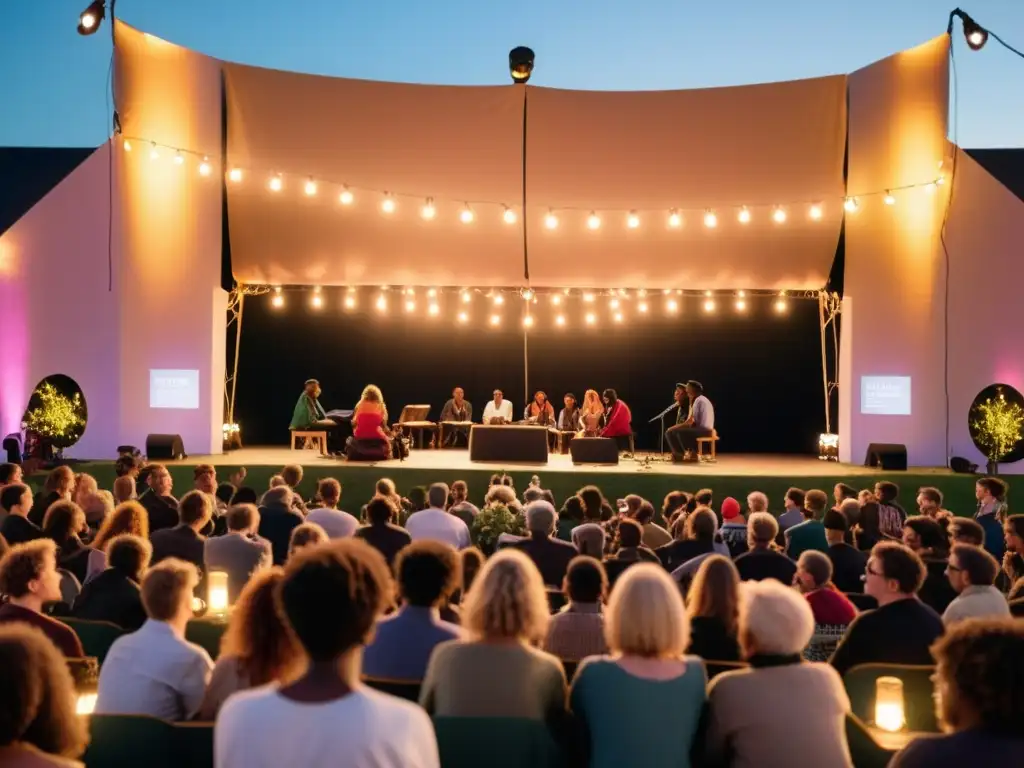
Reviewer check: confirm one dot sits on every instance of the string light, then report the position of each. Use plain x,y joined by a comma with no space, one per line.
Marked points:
551,221
316,300
431,293
674,219
588,297
154,153
410,306
433,310
527,294
350,302
382,303
179,159
466,216
276,184
278,300
672,305
889,199
428,212
387,204
642,307
709,305
346,197
466,297
851,204
528,321
591,318
495,320
744,215
310,188
593,221
235,175
463,317
204,167
710,220
614,303
499,299
560,320
617,317
779,215
815,212
509,216
127,145
556,299
632,220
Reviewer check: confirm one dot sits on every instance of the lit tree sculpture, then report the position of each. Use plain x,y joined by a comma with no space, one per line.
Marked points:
57,417
998,425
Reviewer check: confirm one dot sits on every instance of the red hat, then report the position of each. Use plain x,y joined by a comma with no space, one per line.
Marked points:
730,508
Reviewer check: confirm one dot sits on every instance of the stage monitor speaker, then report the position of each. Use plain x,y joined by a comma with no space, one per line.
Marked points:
164,447
963,466
594,450
886,456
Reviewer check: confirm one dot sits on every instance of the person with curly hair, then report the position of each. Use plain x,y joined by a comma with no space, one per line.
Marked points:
128,517
114,595
327,716
64,522
256,648
38,724
979,685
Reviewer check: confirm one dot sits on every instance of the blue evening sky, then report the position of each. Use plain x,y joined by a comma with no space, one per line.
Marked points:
54,81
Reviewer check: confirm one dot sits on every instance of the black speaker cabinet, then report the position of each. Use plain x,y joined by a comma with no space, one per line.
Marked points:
887,456
594,450
164,447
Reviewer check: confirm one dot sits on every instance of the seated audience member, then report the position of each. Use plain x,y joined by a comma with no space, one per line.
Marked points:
842,492
814,580
184,541
59,485
306,535
461,506
434,523
256,648
926,537
642,705
155,671
113,594
550,555
713,608
84,486
979,698
929,503
97,506
890,514
472,561
124,489
245,495
381,533
277,521
223,495
327,715
963,530
756,502
902,628
39,727
629,546
204,478
1013,560
699,533
847,561
29,579
734,527
292,476
654,535
16,502
428,574
497,671
577,630
810,534
868,532
10,474
241,552
991,495
793,505
64,523
972,573
763,561
127,518
850,509
744,728
158,501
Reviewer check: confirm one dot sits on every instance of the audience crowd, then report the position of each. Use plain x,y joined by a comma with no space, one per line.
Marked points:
609,624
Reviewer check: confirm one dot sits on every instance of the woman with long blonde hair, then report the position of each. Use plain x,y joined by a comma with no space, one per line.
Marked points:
128,517
370,415
591,414
497,671
713,606
256,648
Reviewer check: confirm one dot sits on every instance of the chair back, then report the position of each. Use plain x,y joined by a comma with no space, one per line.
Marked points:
507,742
207,634
718,667
96,636
918,692
414,413
403,689
193,744
130,741
862,601
865,751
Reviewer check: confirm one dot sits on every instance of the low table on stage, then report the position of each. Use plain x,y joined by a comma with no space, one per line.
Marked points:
449,427
512,442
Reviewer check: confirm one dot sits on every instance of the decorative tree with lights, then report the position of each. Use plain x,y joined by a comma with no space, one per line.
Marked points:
57,418
998,425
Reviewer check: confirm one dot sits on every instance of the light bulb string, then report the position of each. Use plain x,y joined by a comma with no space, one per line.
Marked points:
463,203
586,296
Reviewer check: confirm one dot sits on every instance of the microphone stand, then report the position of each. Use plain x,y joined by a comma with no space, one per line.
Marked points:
661,417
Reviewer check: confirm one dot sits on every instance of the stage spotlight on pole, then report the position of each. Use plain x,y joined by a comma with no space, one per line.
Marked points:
520,64
90,18
975,34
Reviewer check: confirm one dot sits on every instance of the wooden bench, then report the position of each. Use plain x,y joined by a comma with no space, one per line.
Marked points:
319,437
702,442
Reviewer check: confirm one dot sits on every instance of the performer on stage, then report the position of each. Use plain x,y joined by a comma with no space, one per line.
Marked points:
368,424
457,409
591,414
619,424
499,410
569,416
308,414
698,422
540,411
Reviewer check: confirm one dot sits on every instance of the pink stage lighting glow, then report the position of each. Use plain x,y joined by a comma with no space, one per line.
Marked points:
14,367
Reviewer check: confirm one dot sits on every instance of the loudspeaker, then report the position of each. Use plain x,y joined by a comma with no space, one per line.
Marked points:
594,450
962,465
886,456
164,447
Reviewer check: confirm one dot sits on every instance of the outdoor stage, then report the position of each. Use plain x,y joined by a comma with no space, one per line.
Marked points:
648,475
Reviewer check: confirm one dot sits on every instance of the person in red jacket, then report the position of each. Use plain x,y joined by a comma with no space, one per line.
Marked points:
619,418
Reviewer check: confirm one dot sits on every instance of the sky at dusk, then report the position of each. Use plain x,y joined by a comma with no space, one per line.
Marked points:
53,90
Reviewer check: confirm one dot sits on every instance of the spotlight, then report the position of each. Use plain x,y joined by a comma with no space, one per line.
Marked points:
632,221
235,175
520,64
710,220
310,187
593,221
779,216
345,198
744,216
617,317
410,306
275,183
278,301
815,212
509,216
889,199
90,18
674,219
387,204
551,221
851,205
741,305
428,212
204,167
975,35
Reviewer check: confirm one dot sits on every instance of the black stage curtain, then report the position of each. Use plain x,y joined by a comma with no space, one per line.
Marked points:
761,370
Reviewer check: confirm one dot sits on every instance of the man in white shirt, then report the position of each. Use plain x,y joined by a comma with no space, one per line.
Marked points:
434,523
499,410
972,573
327,717
698,422
155,671
335,522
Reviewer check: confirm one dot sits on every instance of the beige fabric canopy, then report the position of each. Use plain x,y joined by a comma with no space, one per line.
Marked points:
607,152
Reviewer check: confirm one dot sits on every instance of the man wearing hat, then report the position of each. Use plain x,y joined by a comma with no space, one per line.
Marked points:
698,421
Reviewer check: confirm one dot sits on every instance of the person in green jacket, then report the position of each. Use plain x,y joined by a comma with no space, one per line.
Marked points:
308,414
810,534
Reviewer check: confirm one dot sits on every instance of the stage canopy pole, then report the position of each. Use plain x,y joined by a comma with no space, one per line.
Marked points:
829,307
236,305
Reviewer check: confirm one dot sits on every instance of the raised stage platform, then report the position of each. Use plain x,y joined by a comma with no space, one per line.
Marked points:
647,474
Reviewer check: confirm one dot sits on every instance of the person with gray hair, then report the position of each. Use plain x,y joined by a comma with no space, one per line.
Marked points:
757,502
277,520
435,523
551,556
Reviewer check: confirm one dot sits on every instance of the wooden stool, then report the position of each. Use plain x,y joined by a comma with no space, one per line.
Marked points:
703,441
318,437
